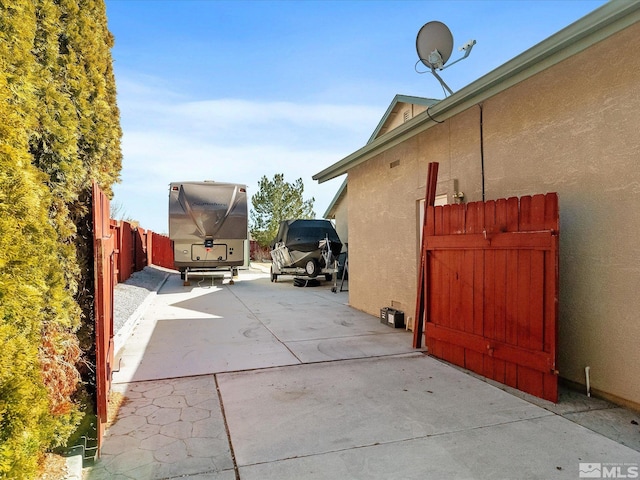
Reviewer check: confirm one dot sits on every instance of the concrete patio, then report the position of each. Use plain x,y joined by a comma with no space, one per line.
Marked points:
261,380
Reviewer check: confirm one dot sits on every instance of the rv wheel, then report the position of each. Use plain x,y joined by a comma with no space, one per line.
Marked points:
312,268
274,276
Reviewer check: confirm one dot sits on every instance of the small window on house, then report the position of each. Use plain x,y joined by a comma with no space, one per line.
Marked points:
395,163
406,115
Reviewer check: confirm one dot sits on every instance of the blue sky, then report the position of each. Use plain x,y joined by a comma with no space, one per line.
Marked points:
234,90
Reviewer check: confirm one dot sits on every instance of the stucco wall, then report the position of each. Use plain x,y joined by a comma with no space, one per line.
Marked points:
383,201
572,129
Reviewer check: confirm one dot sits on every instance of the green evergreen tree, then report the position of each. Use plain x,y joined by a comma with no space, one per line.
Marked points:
59,130
85,51
276,201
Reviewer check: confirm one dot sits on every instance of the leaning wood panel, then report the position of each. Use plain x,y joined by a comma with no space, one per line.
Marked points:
421,301
492,289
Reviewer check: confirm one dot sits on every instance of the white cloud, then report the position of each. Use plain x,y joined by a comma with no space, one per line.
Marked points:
233,113
168,139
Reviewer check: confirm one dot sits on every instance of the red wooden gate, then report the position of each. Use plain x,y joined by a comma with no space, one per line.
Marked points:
491,302
104,270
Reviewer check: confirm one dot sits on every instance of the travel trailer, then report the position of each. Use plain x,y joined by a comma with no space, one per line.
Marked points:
209,228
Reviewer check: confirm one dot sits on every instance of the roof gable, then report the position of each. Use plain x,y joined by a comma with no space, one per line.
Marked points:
337,199
402,108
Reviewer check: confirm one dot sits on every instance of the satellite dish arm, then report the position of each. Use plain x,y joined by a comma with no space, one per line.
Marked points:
444,85
467,50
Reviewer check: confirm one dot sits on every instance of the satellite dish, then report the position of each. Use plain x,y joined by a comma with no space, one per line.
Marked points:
434,44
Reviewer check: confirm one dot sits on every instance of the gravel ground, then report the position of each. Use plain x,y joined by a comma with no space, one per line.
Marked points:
128,296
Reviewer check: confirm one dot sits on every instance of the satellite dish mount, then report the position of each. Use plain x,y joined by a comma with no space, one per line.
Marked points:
434,45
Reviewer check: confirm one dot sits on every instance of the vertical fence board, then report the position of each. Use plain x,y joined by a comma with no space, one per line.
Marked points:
536,301
538,203
478,291
513,219
511,300
467,276
523,318
525,214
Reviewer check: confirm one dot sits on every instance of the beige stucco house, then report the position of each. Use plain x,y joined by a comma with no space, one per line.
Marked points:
561,117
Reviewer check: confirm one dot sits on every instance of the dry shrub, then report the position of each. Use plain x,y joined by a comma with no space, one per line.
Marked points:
59,353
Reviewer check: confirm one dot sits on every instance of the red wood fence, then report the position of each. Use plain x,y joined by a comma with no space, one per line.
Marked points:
161,249
491,299
136,248
104,267
119,250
